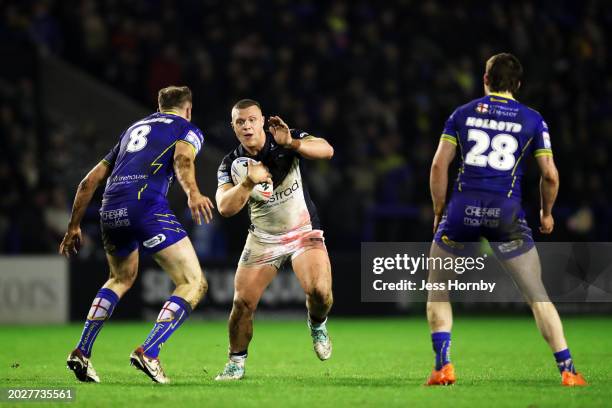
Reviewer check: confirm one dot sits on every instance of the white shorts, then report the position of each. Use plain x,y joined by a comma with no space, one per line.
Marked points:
259,250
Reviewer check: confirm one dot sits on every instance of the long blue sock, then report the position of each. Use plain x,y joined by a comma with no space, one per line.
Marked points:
175,311
564,361
441,346
101,309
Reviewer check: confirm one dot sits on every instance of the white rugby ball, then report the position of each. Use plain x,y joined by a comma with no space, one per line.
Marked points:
261,191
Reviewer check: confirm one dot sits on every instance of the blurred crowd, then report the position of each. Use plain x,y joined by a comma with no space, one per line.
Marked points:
377,79
33,204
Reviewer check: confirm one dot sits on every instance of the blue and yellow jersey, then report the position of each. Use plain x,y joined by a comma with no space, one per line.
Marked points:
495,134
142,158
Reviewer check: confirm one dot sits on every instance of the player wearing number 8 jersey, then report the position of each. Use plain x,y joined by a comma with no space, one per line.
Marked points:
494,135
135,216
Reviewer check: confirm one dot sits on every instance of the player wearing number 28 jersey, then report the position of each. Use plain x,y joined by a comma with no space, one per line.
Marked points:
494,136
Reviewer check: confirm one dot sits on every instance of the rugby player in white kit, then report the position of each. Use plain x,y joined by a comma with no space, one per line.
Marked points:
284,227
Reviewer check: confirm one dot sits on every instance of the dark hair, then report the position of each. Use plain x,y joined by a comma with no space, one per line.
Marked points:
246,103
173,97
504,72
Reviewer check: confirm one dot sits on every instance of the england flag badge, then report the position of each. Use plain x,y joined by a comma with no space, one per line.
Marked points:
482,108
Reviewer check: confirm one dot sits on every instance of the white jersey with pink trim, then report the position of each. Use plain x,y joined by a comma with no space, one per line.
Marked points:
290,207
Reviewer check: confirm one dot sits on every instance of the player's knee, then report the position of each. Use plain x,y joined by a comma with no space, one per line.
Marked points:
203,287
125,280
243,306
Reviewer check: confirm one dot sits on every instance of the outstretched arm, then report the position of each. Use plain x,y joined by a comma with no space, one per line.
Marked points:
184,167
438,178
312,148
549,187
85,191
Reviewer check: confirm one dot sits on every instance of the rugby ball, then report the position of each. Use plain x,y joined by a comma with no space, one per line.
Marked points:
261,191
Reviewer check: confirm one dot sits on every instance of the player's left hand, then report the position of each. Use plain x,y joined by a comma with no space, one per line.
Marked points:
200,206
280,131
547,223
70,243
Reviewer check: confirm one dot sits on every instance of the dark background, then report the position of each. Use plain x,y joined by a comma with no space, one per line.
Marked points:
376,79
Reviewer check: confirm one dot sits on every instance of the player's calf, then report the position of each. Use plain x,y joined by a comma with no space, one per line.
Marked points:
100,311
241,323
240,332
319,301
194,290
439,316
173,314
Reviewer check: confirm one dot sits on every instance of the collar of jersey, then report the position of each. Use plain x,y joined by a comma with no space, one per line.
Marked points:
170,112
264,150
502,95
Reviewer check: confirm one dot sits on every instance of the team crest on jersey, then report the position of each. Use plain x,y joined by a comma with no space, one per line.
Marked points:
482,108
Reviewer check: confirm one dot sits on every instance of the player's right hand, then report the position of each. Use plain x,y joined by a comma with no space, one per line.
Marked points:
70,243
200,206
547,223
258,173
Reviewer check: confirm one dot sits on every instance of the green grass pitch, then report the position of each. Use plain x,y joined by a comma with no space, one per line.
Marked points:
500,362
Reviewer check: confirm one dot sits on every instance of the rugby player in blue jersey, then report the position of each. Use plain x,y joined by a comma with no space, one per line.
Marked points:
285,228
494,135
135,217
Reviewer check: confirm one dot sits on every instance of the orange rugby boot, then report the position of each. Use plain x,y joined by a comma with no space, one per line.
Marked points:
570,379
443,376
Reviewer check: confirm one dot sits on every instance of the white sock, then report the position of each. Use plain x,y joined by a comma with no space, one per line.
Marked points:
317,326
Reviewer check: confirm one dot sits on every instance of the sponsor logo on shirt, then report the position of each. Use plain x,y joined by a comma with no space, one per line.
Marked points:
284,194
115,218
192,138
507,247
129,178
546,138
153,242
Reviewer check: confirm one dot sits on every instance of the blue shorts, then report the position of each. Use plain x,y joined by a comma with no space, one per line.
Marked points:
471,216
128,225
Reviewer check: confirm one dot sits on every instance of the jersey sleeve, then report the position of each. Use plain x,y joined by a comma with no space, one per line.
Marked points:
542,145
450,132
224,172
194,137
300,134
111,156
